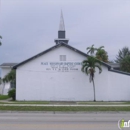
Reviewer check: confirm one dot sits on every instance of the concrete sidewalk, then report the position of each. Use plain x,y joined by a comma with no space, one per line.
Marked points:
8,102
55,105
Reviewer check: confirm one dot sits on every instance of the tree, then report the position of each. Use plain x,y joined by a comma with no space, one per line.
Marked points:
88,67
91,50
123,58
122,54
125,64
0,41
100,48
12,93
10,77
101,54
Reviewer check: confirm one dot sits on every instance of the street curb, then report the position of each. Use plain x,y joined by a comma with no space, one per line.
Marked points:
68,112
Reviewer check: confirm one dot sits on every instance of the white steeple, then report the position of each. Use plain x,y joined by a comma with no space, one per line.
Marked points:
61,33
62,26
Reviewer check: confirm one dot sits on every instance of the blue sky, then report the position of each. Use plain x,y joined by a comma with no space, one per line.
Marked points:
30,26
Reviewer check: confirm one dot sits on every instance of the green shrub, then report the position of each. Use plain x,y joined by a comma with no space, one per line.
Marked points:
12,93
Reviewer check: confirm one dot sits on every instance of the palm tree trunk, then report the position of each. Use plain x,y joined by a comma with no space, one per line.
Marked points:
94,91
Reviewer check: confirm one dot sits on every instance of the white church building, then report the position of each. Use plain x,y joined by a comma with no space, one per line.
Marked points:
55,75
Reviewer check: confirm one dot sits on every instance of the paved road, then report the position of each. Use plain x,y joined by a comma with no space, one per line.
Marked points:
61,121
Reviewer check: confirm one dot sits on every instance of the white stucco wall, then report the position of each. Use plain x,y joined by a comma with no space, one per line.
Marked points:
34,82
118,87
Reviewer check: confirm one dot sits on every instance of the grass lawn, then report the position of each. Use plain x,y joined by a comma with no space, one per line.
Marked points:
25,102
102,103
62,108
65,108
4,97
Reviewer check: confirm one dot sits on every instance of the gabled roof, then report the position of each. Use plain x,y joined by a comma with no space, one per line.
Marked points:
54,47
8,64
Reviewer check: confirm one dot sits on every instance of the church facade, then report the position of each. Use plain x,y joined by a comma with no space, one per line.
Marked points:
55,75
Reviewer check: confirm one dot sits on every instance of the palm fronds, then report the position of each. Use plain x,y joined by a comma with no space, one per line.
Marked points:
88,66
11,76
91,50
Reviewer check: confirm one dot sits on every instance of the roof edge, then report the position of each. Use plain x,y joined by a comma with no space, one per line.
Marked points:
53,47
8,65
120,72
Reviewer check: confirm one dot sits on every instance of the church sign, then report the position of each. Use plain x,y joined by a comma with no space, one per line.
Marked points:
61,66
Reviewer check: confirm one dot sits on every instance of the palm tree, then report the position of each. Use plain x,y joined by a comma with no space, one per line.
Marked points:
88,67
102,55
0,41
91,50
10,77
100,48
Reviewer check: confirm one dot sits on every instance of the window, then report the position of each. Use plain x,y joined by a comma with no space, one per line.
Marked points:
62,57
